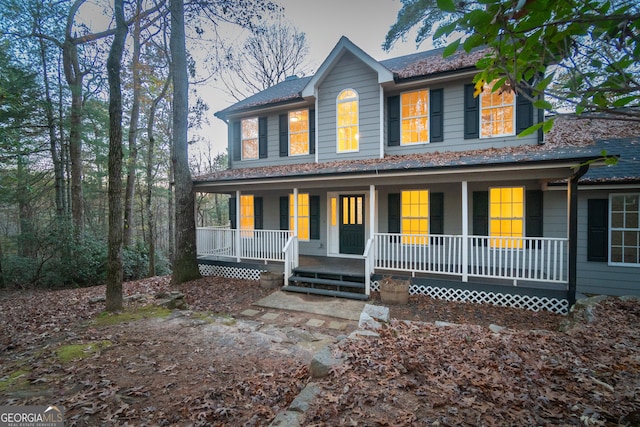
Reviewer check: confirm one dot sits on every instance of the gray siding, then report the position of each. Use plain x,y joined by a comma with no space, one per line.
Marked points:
453,92
349,73
599,277
273,146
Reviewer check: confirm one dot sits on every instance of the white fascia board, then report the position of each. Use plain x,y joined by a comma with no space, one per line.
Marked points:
345,45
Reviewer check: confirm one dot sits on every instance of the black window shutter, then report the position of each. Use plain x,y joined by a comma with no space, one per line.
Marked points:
232,212
284,135
540,120
480,213
394,213
258,213
393,121
284,213
436,213
314,217
236,141
597,230
533,213
436,107
312,131
262,137
524,113
471,113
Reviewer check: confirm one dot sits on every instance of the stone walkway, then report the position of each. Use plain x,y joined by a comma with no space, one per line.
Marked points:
336,315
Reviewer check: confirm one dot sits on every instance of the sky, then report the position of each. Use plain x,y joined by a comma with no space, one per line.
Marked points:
364,22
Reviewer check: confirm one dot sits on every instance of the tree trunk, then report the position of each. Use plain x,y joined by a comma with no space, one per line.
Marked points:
151,226
2,284
53,139
185,266
114,256
133,132
74,78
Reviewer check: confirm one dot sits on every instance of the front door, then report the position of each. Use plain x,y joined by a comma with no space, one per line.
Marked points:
352,224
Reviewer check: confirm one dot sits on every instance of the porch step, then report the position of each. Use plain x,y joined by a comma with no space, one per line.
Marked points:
327,292
330,282
321,282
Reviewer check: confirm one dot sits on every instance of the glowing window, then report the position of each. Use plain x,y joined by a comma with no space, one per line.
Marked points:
506,216
415,117
625,229
415,216
497,111
303,215
298,132
347,117
247,217
250,138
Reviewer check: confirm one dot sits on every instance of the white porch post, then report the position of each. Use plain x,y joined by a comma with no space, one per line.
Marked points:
295,223
372,210
238,226
465,232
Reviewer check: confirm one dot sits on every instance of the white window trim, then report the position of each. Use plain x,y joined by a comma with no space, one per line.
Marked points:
338,101
296,216
243,139
309,142
502,135
610,230
428,141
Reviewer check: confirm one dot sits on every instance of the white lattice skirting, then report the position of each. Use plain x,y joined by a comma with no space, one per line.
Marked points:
230,272
533,303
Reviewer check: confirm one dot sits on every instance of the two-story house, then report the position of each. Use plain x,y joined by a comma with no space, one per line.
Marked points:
396,167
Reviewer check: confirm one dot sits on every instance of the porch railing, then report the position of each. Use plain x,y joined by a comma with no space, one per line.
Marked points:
264,245
290,252
528,259
218,240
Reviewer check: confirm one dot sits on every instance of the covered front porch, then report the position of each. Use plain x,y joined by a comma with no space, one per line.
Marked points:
467,232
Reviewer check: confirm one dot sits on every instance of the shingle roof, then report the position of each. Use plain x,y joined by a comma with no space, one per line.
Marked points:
286,91
416,65
627,169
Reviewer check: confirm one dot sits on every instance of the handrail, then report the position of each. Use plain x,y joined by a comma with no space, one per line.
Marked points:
369,263
290,258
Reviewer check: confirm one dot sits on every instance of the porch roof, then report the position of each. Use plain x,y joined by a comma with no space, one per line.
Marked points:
626,171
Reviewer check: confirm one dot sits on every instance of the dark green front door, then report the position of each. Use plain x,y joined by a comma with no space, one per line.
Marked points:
352,224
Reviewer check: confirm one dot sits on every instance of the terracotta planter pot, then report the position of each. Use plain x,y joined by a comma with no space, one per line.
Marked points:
271,280
394,291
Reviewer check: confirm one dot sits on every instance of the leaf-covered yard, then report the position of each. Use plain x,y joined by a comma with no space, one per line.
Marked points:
212,366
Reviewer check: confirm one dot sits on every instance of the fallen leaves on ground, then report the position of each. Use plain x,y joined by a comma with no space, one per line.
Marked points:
177,371
420,374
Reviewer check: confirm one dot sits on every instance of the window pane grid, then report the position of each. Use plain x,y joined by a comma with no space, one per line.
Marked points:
497,112
506,216
298,132
415,117
247,217
303,215
625,230
415,216
347,121
249,138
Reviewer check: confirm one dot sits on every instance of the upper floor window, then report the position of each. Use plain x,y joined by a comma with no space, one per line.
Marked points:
497,111
415,117
347,108
506,216
625,229
250,138
298,132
